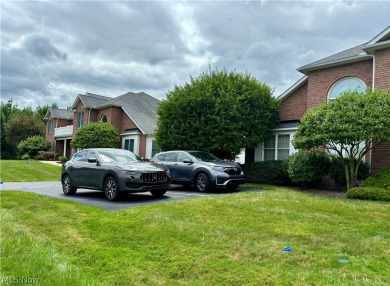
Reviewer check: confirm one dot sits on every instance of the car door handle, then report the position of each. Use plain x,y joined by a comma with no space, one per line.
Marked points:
176,164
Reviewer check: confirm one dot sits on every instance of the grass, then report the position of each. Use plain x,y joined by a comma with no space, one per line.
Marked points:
28,171
228,239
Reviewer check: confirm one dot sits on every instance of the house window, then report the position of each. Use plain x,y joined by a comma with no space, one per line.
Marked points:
103,118
50,126
277,147
80,119
129,144
345,84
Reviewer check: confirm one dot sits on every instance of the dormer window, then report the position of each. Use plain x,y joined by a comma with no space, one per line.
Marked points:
345,84
103,118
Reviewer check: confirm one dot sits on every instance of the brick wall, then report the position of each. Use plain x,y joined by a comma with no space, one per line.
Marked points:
320,81
294,106
382,69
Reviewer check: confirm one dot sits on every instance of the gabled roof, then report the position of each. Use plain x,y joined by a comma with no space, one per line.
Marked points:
59,113
90,100
140,107
355,54
381,41
293,88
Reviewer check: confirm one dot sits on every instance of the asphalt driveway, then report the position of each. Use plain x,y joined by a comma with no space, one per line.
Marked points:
98,199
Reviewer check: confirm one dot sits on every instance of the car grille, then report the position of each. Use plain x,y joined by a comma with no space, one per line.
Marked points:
233,171
154,177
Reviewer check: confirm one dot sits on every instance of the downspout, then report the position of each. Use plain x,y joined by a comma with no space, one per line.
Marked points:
89,114
372,89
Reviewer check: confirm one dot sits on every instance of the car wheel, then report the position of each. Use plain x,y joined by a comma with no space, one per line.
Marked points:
111,189
231,188
202,182
158,193
67,187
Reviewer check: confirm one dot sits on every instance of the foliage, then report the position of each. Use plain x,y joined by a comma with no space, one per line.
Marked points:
63,159
337,172
381,180
368,193
229,239
219,112
28,171
267,172
48,155
10,110
25,157
32,145
307,167
348,127
96,135
21,126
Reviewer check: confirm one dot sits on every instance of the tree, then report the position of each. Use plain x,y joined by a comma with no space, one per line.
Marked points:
41,111
96,135
347,128
21,126
220,112
8,150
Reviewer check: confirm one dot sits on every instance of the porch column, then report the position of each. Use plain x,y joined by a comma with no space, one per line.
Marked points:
65,141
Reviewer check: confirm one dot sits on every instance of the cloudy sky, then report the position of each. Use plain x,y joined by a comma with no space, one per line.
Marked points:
53,50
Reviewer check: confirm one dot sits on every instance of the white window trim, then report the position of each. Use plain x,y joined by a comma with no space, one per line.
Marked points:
136,138
340,80
259,150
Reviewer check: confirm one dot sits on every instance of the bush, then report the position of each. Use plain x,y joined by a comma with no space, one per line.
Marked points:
38,157
49,155
307,167
63,159
337,172
268,172
25,157
382,180
32,145
369,193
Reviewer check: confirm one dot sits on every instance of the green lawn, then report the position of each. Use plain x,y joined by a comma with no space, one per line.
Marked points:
227,239
28,171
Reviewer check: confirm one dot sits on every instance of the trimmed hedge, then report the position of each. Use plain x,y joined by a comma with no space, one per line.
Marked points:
308,167
369,193
268,172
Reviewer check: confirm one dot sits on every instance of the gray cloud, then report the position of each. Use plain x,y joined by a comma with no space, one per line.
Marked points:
53,50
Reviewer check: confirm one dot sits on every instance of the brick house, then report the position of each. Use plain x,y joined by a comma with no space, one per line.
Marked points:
133,114
361,67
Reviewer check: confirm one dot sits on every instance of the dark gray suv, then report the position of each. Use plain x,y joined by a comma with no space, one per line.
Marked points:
201,169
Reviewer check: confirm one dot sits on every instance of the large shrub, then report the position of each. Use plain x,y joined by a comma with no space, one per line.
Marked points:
32,145
96,135
268,172
307,167
382,180
369,193
337,172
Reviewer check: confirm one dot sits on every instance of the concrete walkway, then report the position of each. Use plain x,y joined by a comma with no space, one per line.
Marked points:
57,163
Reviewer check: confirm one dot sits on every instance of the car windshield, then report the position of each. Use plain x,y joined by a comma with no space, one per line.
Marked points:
204,156
111,156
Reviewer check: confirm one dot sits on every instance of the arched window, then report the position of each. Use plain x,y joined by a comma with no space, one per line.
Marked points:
344,84
103,118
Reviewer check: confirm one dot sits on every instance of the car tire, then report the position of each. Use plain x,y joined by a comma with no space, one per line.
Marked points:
231,188
202,182
67,187
158,193
111,189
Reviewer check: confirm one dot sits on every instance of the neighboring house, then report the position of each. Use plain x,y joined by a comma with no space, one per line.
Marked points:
133,114
366,66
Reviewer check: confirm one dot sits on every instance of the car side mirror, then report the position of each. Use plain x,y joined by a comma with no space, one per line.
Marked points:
188,161
92,160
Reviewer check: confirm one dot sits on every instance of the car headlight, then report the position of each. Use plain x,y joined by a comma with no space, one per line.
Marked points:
128,172
217,168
